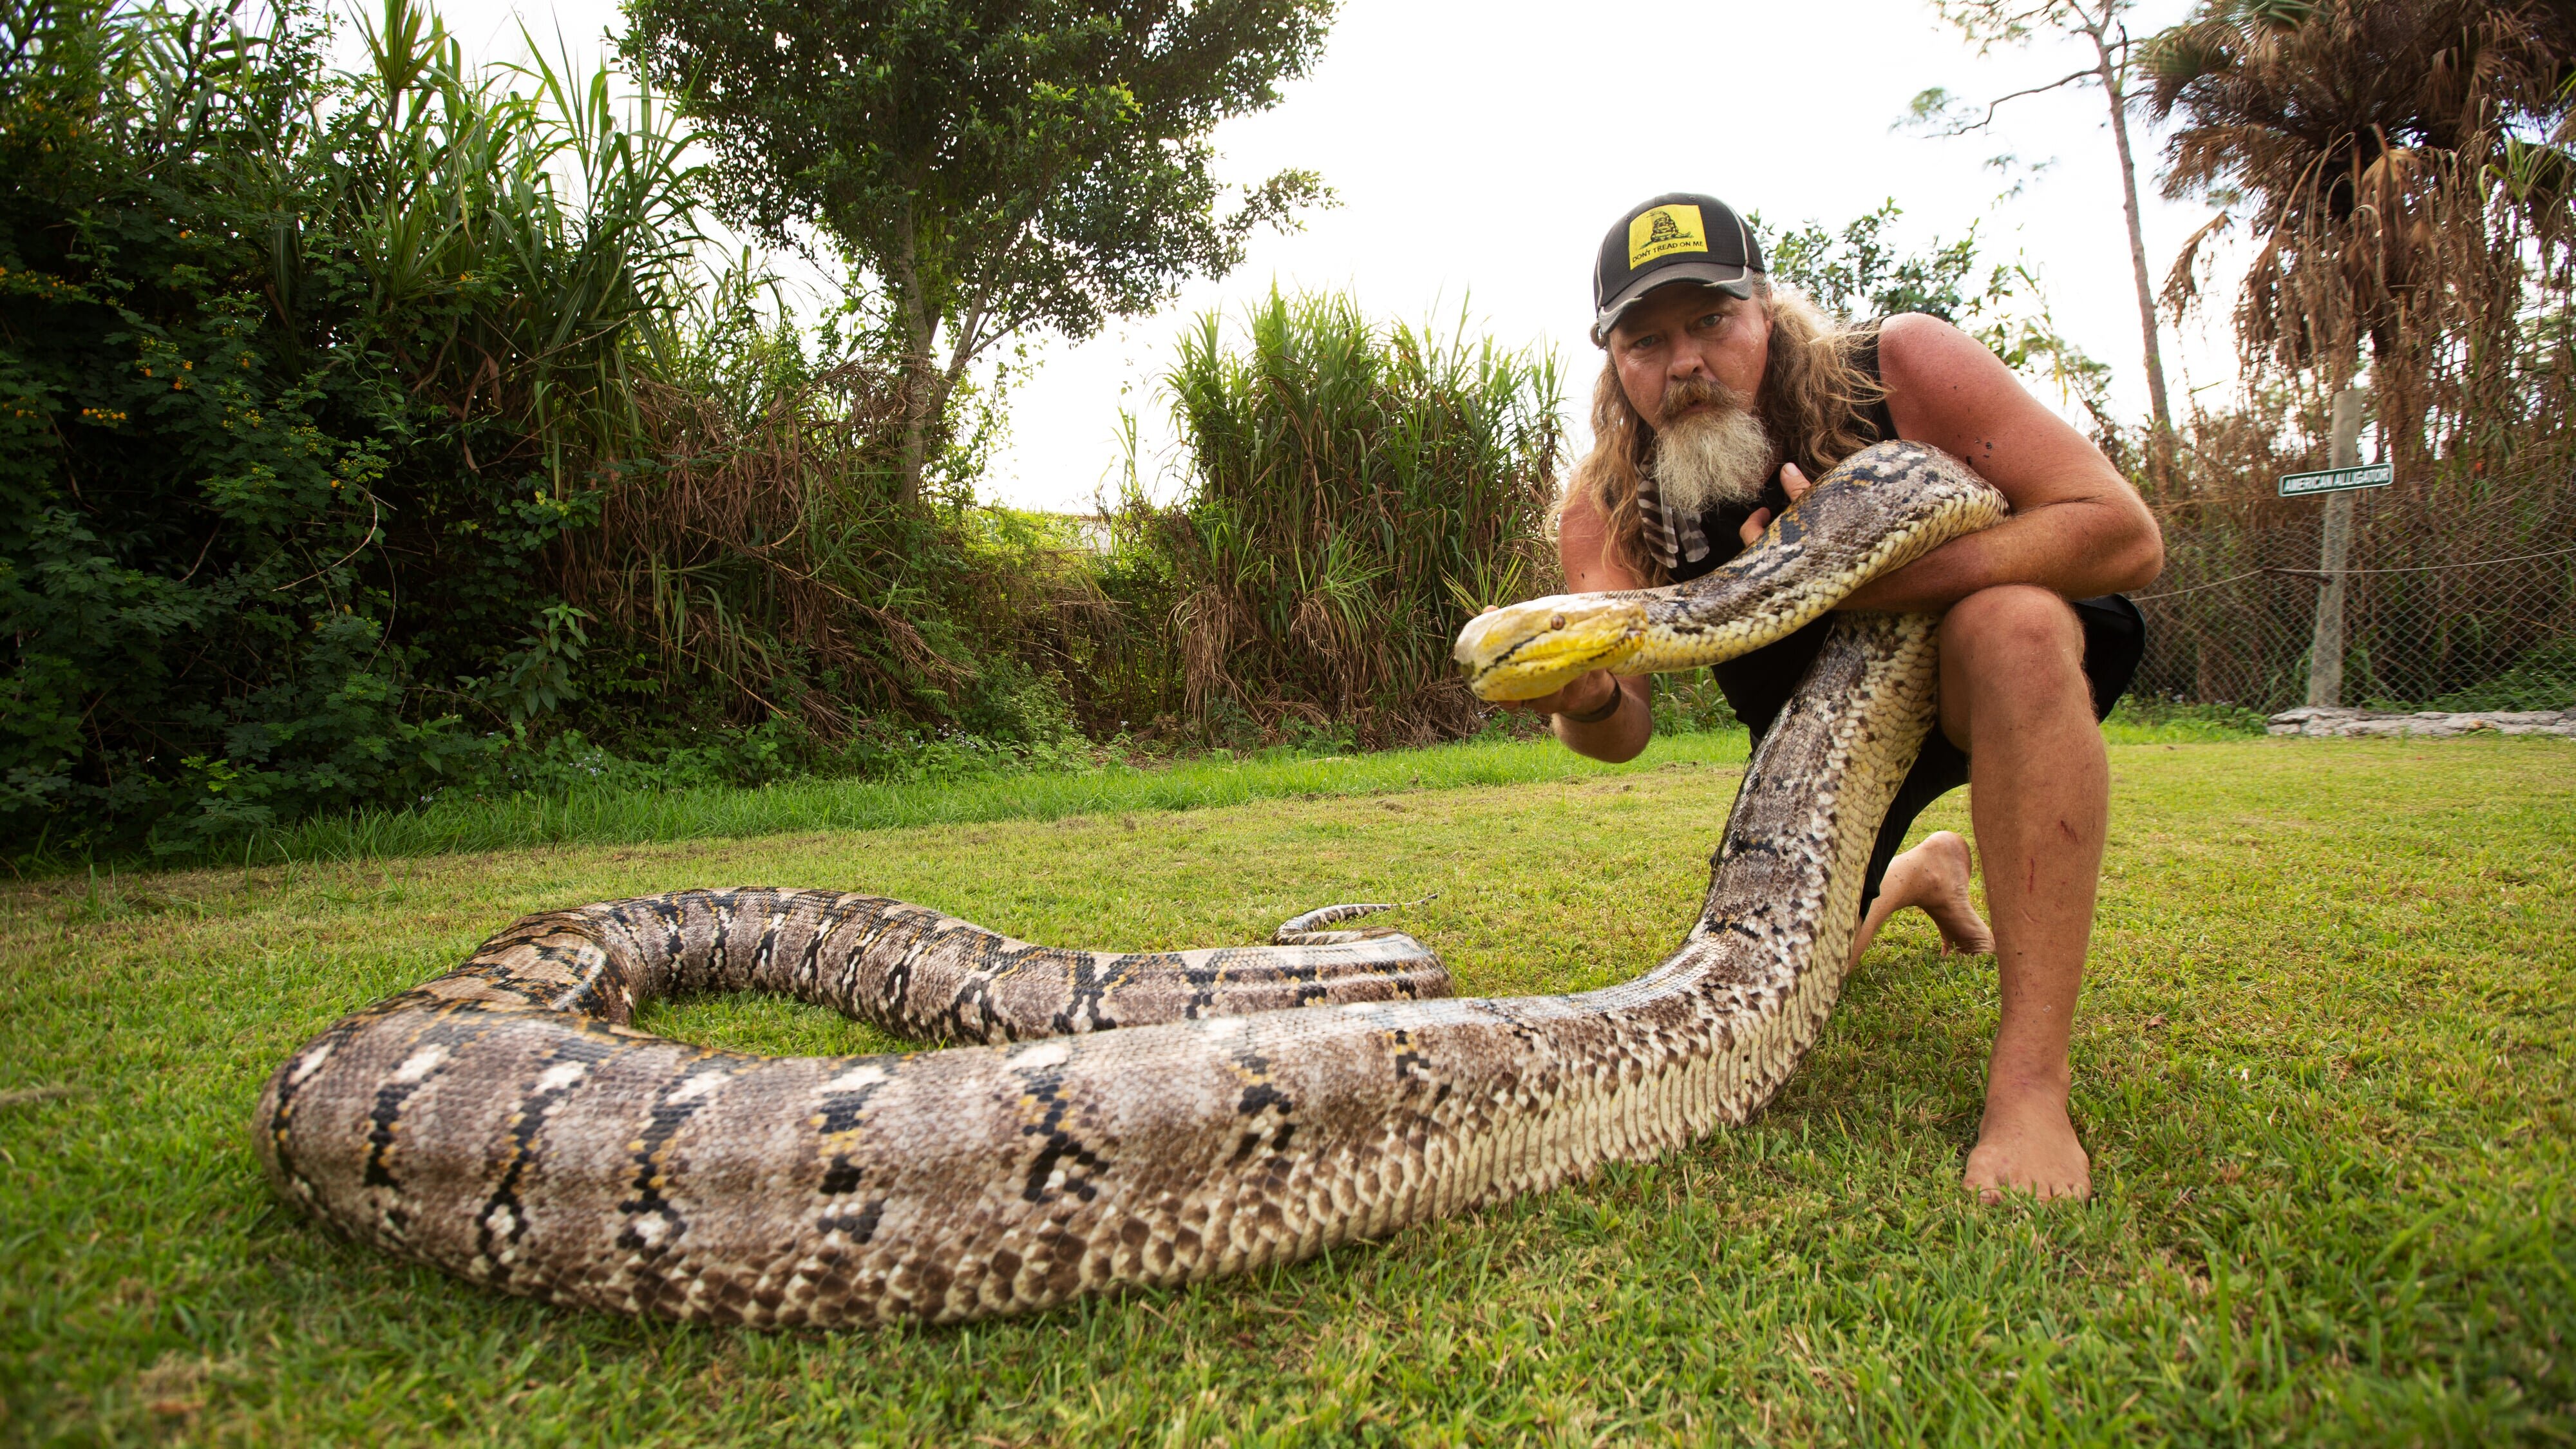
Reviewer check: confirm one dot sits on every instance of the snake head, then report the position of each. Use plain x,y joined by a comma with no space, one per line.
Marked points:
1522,651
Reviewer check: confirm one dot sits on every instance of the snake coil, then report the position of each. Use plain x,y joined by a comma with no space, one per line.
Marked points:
1252,1105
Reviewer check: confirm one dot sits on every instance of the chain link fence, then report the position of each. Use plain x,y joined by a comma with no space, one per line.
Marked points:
2234,618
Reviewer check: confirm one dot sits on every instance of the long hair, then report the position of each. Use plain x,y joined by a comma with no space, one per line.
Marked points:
1811,399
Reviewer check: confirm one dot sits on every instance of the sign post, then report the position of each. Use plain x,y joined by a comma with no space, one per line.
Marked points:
2338,482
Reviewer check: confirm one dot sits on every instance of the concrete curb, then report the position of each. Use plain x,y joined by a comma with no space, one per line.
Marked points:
2315,722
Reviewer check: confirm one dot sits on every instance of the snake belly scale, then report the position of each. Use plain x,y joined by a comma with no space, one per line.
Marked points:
1124,1119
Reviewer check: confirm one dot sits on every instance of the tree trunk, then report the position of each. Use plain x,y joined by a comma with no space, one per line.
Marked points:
925,399
924,392
916,441
2160,446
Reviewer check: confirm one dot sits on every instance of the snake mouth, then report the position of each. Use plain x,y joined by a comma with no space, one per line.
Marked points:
1526,650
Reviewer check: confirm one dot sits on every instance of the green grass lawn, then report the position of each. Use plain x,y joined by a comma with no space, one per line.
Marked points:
1197,782
2324,1067
629,817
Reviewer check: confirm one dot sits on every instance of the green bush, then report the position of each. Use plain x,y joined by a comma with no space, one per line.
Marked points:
1691,704
2176,719
299,374
2545,678
367,436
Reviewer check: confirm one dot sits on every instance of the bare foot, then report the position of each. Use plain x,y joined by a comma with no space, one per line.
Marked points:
2027,1145
1934,876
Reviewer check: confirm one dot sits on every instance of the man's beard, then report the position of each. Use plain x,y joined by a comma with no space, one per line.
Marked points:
1713,457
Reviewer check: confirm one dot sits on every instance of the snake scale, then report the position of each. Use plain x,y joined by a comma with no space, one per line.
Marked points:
504,1122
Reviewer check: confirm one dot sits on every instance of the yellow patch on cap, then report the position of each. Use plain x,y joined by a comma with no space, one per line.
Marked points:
1660,231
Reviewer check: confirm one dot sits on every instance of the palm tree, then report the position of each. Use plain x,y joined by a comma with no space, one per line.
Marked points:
2402,164
2403,167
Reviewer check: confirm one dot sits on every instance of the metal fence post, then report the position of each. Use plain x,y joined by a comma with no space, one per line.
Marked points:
2325,649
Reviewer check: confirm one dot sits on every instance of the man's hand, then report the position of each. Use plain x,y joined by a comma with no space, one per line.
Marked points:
1585,695
1796,485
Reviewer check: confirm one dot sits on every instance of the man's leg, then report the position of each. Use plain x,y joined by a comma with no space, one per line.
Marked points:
2014,696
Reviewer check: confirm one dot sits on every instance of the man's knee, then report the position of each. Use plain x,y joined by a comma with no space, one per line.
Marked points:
2015,631
2013,658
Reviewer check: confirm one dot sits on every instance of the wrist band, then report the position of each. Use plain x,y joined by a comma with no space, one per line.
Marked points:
1618,697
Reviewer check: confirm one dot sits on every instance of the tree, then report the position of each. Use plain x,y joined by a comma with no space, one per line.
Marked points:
2405,170
1862,273
1990,23
2404,166
998,165
2369,143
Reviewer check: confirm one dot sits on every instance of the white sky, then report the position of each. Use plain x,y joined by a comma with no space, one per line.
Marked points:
1481,150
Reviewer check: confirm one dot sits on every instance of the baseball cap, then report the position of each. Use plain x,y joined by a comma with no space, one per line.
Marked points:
1680,236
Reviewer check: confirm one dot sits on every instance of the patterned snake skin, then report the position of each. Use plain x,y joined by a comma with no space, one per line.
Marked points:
504,1123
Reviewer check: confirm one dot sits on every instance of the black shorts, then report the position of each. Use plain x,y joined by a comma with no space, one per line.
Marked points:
1758,686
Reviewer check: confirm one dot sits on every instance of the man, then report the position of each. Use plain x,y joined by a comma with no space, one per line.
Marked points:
1721,398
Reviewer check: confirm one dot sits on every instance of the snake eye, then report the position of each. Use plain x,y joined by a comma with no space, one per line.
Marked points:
1556,621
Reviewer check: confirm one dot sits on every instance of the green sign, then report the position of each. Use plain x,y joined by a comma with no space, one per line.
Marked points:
2336,480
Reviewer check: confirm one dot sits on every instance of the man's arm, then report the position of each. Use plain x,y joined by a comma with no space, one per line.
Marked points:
2077,527
1582,548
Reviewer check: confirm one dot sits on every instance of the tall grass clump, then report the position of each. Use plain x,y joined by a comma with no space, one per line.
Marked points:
528,231
758,568
1357,491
